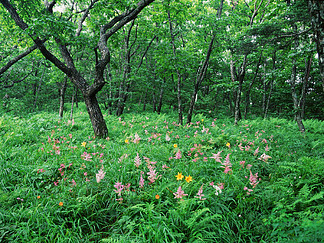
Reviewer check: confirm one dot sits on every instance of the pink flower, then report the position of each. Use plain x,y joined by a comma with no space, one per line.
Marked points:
221,185
267,148
73,182
178,155
248,166
138,161
217,157
119,188
256,152
179,193
199,194
141,182
253,179
242,163
227,169
100,175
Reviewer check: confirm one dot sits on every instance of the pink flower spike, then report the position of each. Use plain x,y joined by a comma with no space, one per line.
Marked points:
217,157
256,152
141,182
179,193
100,175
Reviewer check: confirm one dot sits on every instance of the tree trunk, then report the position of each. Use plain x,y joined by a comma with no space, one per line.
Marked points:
302,100
248,92
96,117
161,97
62,94
72,104
200,77
241,74
271,86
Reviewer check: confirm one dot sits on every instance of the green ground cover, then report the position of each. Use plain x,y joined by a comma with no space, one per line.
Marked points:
152,180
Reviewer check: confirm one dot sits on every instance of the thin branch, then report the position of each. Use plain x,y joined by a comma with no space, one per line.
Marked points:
17,58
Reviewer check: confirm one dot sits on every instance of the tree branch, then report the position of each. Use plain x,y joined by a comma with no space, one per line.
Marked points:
17,58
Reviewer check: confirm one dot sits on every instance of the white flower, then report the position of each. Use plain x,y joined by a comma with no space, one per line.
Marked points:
218,190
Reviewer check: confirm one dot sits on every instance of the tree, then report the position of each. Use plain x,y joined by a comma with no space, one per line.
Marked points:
65,46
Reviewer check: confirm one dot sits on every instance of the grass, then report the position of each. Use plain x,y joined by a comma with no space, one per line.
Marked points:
49,190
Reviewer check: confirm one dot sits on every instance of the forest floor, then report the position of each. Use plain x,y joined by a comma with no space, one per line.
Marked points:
153,180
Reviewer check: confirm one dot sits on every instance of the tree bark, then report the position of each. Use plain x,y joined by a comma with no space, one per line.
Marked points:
240,77
200,77
161,97
62,90
97,120
248,92
180,119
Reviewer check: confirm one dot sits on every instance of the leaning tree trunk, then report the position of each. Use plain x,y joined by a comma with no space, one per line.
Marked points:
96,117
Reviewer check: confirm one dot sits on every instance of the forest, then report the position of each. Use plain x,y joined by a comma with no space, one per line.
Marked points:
161,120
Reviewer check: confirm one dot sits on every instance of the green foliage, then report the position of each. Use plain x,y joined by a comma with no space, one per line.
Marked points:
49,190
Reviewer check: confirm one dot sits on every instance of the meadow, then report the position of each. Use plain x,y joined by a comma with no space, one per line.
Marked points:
153,180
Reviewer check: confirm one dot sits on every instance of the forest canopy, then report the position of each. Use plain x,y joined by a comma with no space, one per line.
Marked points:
243,58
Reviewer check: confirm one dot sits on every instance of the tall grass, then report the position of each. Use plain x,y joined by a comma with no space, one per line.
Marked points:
260,181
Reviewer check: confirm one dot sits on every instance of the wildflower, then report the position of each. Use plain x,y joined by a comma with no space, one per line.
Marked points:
38,197
227,170
167,138
242,163
217,157
141,182
152,174
221,185
126,140
218,190
264,157
73,182
199,194
119,188
179,176
61,204
137,161
228,145
179,193
256,152
136,138
83,144
188,178
86,156
157,196
175,145
178,155
165,166
253,179
100,175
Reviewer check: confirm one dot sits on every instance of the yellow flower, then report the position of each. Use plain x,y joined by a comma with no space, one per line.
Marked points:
188,178
202,120
126,140
61,204
228,145
157,196
38,197
179,176
175,145
83,144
